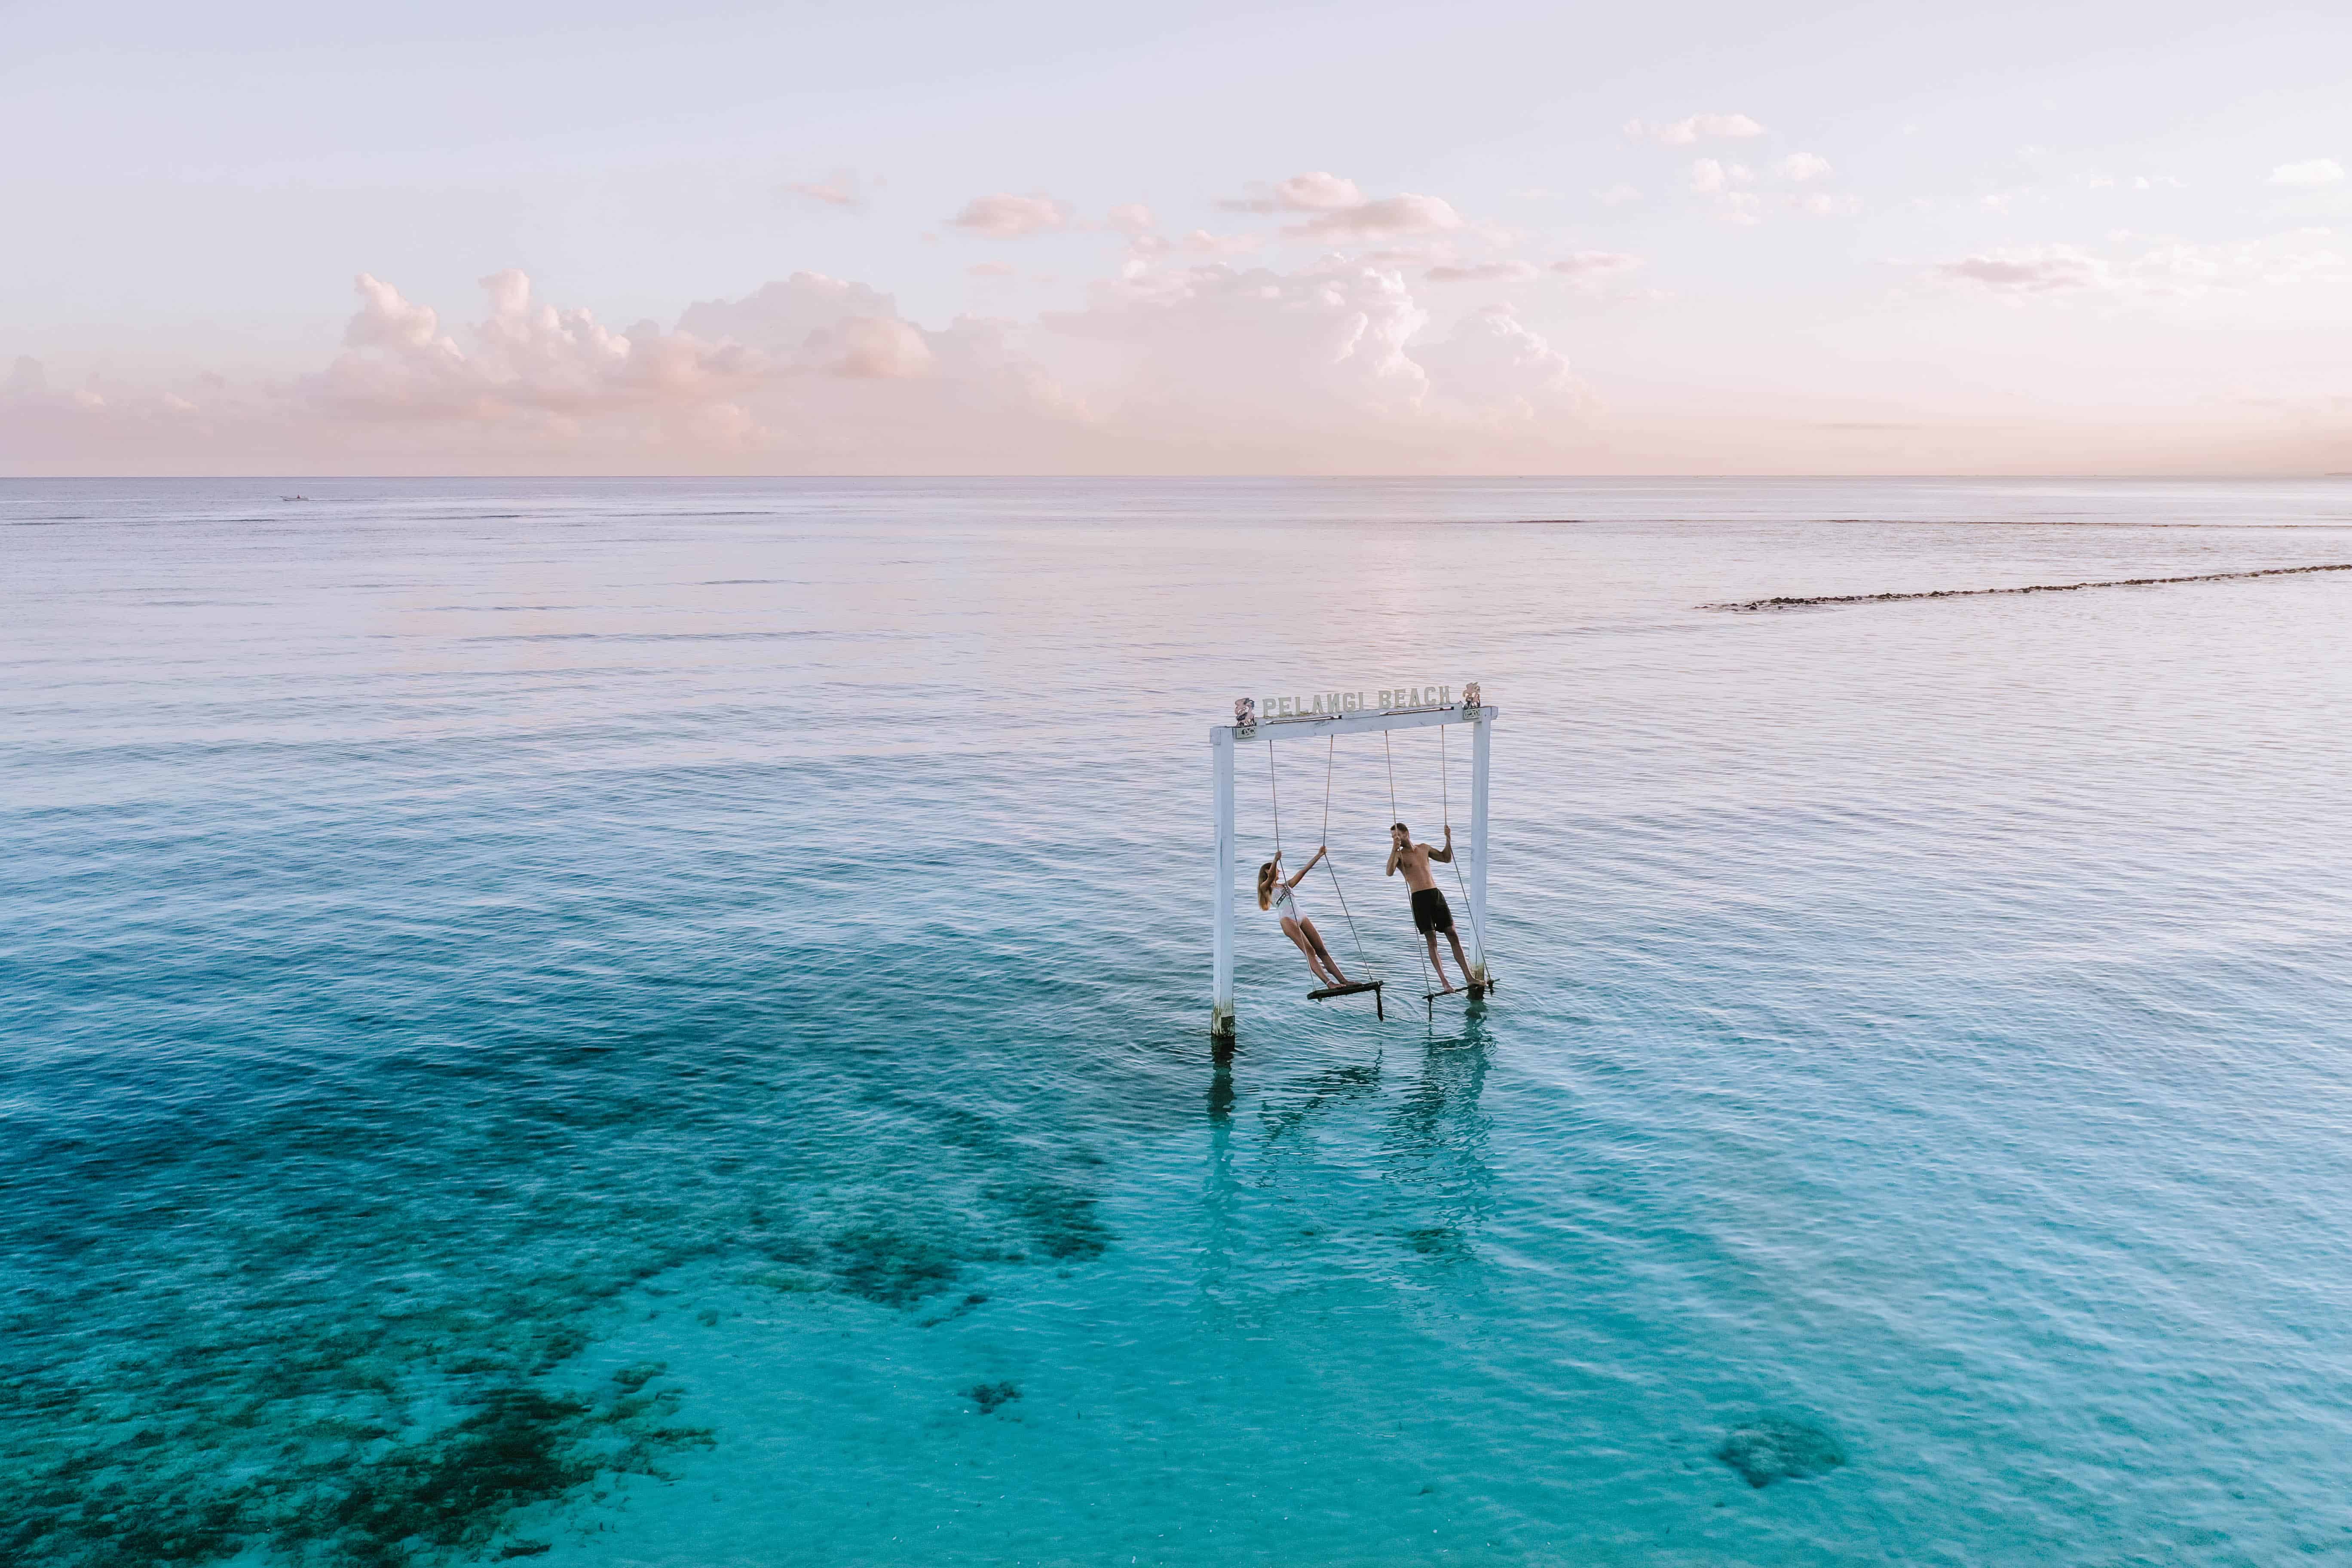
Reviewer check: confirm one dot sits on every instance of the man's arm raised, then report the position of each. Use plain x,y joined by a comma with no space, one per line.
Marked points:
1447,853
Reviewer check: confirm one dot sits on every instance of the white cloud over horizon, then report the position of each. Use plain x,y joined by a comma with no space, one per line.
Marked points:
2310,172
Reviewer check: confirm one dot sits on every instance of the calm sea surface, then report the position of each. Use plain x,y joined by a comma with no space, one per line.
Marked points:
667,1024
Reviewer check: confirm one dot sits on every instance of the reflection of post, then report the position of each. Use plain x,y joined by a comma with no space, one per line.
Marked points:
1221,1011
1481,734
1220,1189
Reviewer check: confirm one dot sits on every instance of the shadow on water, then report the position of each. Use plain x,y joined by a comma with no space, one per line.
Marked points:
1434,1145
1427,1137
1317,1096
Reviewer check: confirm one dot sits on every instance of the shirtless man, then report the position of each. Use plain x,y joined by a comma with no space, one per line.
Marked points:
1430,913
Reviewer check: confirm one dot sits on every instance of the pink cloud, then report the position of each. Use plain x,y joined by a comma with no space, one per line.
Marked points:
1201,242
1131,218
2041,271
1697,128
1482,272
1329,356
1315,191
839,190
1499,370
527,360
1318,191
1330,367
1011,217
872,347
2310,172
1709,176
1389,218
2166,271
1589,270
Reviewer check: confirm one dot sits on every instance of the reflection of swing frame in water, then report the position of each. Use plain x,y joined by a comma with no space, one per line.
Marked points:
1329,727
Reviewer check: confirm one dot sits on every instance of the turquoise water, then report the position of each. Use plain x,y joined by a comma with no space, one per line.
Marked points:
666,1023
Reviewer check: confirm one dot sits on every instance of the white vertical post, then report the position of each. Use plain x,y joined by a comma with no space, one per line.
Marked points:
1482,731
1221,755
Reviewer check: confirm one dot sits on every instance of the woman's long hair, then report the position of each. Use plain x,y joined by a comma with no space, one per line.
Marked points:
1265,886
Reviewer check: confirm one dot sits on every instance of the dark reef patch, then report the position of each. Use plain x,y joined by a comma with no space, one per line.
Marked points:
1773,1448
346,1495
1436,1241
885,1265
1059,1218
972,1302
990,1397
332,1308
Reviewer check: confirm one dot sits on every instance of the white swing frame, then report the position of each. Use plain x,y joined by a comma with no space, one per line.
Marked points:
1316,726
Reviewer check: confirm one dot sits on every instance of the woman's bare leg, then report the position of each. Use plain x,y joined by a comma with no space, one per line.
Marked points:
1329,963
1290,929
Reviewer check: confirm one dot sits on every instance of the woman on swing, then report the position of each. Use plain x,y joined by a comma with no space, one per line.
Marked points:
1275,896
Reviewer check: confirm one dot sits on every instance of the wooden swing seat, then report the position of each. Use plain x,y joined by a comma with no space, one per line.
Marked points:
1380,1002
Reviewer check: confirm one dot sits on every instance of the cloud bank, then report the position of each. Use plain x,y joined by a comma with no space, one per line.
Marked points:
1322,328
1334,366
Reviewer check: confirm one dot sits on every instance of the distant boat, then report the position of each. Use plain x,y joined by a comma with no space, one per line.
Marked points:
293,498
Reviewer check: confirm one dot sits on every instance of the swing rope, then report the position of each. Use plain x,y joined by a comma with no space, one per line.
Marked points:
1394,817
1273,793
1330,756
1446,799
1276,791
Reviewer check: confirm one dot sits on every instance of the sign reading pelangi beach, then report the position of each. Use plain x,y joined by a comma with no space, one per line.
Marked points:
1383,700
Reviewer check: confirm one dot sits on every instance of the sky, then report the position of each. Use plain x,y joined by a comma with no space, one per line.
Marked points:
1047,237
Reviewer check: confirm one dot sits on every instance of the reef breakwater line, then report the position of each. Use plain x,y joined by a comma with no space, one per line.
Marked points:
1794,603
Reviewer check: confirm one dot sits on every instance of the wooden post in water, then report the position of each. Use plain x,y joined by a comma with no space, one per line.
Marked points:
1221,1008
1482,730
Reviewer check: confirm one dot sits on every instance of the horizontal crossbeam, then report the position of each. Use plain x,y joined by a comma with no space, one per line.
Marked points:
1315,726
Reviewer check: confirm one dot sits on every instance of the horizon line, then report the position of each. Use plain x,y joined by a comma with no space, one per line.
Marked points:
1353,478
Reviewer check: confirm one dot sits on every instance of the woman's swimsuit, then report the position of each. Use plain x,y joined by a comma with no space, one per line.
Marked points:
1282,906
